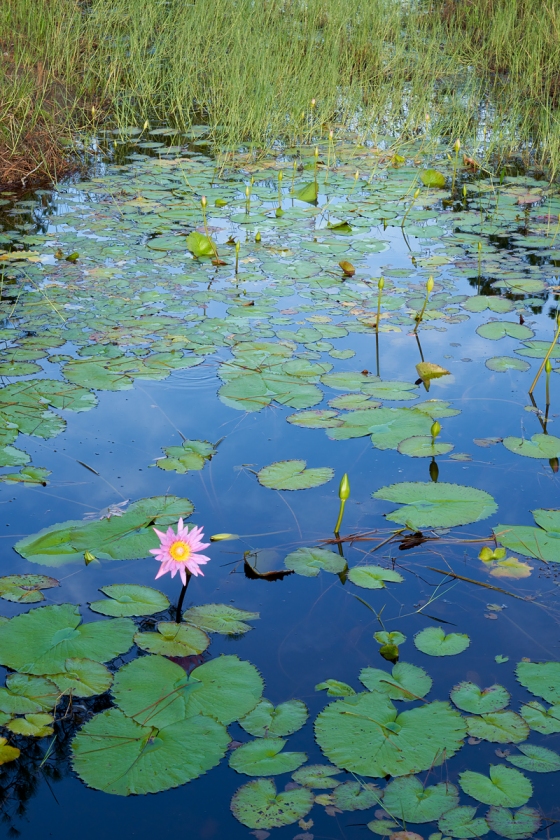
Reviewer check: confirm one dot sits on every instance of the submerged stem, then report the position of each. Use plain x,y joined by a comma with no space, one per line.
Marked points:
182,598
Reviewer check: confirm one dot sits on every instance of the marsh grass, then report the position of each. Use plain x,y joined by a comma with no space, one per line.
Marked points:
486,71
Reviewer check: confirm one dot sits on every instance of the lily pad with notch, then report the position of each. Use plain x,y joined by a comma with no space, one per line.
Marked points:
406,681
441,505
220,618
293,475
130,599
434,642
258,805
266,720
171,639
25,589
265,756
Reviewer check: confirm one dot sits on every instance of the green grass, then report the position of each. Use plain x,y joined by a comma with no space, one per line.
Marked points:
487,71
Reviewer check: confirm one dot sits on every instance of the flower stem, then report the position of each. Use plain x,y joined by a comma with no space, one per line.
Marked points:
182,598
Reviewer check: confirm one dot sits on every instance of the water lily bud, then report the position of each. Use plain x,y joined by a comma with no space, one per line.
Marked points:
457,145
145,126
220,537
344,488
257,236
427,118
203,201
316,152
416,193
479,246
464,190
313,103
548,366
93,110
430,284
280,175
357,175
237,247
331,134
436,429
89,557
247,191
380,284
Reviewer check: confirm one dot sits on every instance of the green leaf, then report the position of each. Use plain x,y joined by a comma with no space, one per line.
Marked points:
390,390
265,720
406,681
292,475
501,364
40,641
461,822
258,805
498,727
505,786
7,753
389,638
318,776
335,688
307,193
318,419
115,754
83,678
541,679
387,426
200,245
470,698
495,330
27,695
515,826
27,476
441,505
434,642
310,561
432,178
382,827
265,757
25,589
129,536
536,759
126,599
220,618
423,446
408,800
428,371
540,446
173,640
373,577
356,796
157,692
32,726
191,455
478,303
537,350
545,721
365,735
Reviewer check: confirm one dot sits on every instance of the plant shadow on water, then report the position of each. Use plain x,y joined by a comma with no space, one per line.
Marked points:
257,375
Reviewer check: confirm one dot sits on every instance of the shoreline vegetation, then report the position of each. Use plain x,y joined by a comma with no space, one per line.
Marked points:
280,72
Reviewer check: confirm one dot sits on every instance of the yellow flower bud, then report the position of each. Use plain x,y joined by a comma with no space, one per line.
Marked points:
436,429
247,191
416,193
237,247
257,236
380,284
203,201
430,284
548,366
280,175
331,134
344,488
457,145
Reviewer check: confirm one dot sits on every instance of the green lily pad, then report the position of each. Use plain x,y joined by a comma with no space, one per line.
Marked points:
292,475
318,776
191,455
542,543
441,505
126,599
434,642
373,577
536,759
266,720
543,720
504,363
470,698
432,178
115,754
384,828
495,330
129,536
200,245
540,446
265,757
356,796
364,734
408,800
499,727
505,786
258,805
27,476
318,419
516,825
423,446
157,692
40,641
32,726
307,193
220,618
463,823
310,561
541,679
25,589
406,681
390,390
335,688
83,678
173,640
394,637
7,752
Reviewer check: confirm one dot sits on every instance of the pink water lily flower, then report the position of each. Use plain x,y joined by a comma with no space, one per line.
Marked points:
177,552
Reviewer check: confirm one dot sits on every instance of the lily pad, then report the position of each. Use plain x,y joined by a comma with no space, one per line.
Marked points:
373,577
516,825
220,618
441,505
310,561
432,178
543,720
364,734
115,754
541,679
406,681
408,800
542,543
24,694
495,330
191,455
40,641
32,726
540,446
265,756
258,805
335,688
318,419
536,759
499,727
7,752
470,698
356,796
390,390
423,446
200,245
501,364
463,823
318,776
292,475
83,678
25,589
504,786
266,720
173,640
434,642
127,599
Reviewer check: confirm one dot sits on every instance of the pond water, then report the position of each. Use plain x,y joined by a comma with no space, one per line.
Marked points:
134,371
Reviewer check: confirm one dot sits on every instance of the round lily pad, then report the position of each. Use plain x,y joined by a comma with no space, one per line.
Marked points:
319,776
501,364
470,698
504,786
540,678
25,589
441,505
409,800
515,825
173,640
423,446
265,756
83,678
373,577
356,796
536,759
499,727
220,618
310,561
258,805
266,720
127,599
463,823
540,446
406,682
292,475
434,642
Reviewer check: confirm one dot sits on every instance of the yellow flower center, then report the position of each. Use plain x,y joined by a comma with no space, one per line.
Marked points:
180,551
